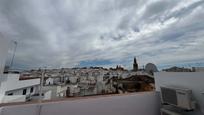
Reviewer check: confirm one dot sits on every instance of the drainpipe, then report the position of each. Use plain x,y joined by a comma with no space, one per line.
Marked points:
41,85
39,106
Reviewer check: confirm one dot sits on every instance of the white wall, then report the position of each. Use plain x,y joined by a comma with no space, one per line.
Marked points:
4,45
133,104
12,82
53,90
14,98
49,81
20,91
190,80
47,95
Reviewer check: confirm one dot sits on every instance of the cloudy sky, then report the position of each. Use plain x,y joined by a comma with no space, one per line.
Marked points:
70,33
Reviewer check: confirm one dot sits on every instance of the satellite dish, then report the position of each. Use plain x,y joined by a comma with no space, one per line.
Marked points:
151,68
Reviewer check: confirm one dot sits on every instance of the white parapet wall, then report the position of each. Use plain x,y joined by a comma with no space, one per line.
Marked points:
190,80
14,98
131,104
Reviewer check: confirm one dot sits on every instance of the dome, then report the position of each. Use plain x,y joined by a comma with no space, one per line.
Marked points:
150,68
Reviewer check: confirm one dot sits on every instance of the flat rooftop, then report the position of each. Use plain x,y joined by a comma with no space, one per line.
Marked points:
74,98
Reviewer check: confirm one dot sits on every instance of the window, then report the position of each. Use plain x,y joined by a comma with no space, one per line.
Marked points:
10,93
31,90
24,92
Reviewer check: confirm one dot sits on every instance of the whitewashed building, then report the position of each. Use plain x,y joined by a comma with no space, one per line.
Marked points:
198,69
49,81
12,88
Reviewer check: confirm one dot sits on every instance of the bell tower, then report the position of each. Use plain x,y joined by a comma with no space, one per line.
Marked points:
135,65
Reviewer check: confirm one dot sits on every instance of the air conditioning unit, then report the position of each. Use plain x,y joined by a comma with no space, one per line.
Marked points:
178,97
168,112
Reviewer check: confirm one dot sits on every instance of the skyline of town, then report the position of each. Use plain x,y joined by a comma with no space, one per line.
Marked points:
96,57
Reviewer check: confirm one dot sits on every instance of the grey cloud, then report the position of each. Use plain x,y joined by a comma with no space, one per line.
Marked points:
63,33
155,9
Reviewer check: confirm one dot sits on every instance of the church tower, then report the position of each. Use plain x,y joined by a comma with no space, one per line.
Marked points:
135,65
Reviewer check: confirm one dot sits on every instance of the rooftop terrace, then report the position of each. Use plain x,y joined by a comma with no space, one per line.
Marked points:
146,103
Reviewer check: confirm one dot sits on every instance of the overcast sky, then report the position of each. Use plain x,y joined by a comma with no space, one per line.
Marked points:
70,33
